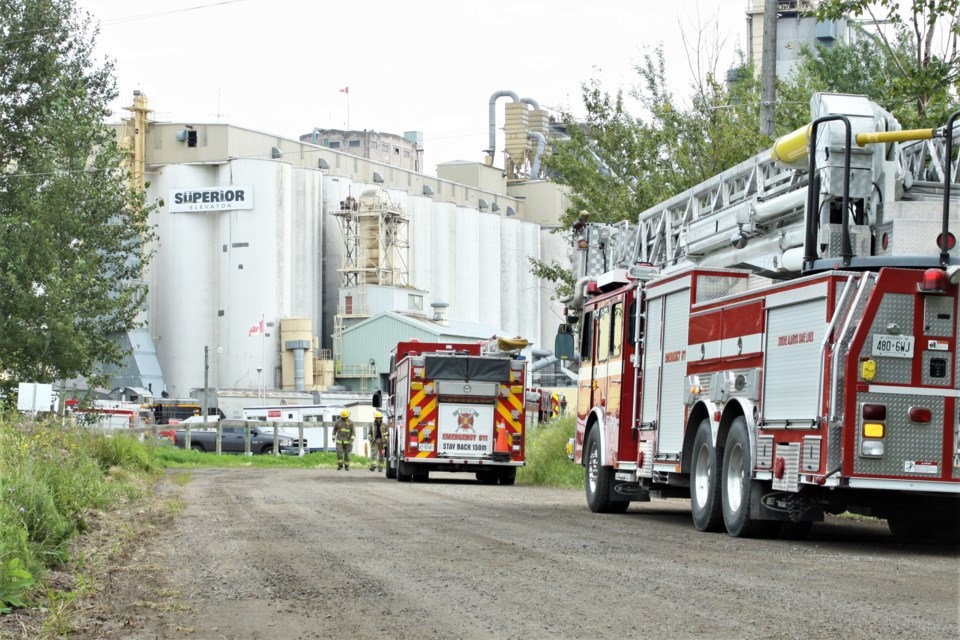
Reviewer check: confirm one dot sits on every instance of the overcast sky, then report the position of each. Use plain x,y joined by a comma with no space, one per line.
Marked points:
430,65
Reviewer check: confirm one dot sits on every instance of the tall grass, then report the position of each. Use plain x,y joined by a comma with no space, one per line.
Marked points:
547,462
51,479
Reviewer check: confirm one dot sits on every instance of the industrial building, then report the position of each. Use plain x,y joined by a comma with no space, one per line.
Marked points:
796,28
405,152
271,249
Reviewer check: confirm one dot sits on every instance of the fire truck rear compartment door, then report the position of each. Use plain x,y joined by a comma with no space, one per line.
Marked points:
465,429
792,375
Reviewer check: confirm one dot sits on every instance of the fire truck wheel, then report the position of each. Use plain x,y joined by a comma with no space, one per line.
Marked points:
487,477
391,464
947,532
913,530
507,475
403,472
597,479
704,485
737,471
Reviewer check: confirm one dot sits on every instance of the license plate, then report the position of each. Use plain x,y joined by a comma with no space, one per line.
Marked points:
892,346
426,446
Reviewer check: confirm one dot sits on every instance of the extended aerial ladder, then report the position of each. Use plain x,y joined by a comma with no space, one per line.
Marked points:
752,215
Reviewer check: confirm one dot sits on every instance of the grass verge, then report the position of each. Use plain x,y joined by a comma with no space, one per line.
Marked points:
547,462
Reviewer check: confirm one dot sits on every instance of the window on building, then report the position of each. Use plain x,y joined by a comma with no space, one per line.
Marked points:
334,145
414,302
353,143
384,146
191,138
406,153
396,151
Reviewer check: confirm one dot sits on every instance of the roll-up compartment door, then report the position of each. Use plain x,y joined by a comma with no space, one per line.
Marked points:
792,376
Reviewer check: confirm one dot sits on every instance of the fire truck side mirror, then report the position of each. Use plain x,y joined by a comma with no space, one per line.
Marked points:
377,399
563,345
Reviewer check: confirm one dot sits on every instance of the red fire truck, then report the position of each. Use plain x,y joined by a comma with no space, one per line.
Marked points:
456,407
775,347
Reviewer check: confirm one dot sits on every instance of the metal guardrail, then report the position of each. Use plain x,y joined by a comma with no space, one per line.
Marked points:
151,434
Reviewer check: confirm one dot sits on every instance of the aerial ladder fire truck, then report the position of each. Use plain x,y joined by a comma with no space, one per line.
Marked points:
456,407
780,341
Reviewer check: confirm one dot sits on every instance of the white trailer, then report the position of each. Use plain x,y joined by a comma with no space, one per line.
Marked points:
315,420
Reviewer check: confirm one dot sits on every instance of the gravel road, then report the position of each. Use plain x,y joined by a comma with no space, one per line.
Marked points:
296,554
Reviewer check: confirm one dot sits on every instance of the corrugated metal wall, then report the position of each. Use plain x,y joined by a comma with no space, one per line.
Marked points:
375,339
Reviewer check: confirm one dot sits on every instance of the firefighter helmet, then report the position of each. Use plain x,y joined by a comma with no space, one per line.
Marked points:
378,415
344,414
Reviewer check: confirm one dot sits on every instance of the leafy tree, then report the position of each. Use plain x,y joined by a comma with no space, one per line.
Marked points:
71,233
911,68
618,165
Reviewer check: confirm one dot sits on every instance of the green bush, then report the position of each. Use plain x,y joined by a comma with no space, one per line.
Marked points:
51,477
547,462
126,452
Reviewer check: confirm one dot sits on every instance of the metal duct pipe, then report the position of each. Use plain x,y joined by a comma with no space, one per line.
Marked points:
503,93
578,290
313,136
299,347
541,143
544,363
298,375
530,101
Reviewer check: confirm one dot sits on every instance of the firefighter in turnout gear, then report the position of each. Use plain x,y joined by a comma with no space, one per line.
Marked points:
343,435
377,435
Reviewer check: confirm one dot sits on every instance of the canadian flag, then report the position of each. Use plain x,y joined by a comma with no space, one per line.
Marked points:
255,329
345,90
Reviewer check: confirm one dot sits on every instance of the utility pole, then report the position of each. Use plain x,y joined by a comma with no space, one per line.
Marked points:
206,377
768,70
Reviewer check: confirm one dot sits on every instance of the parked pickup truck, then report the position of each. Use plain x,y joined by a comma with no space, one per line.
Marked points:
232,439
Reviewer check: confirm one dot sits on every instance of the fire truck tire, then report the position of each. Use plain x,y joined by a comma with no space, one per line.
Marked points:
403,472
507,475
391,470
597,479
737,481
912,530
947,532
704,481
487,477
